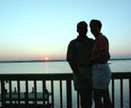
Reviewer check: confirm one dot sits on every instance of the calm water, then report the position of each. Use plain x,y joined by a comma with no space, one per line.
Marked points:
57,67
63,67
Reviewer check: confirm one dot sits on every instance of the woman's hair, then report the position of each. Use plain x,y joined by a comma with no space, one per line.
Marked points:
96,22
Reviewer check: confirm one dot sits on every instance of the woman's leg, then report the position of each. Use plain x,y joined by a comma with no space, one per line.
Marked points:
106,97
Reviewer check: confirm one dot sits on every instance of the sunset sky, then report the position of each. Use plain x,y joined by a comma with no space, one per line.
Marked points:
38,29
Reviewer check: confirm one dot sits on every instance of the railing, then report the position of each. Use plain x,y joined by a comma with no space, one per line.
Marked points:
31,89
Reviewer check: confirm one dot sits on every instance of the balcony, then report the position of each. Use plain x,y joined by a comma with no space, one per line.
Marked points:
55,91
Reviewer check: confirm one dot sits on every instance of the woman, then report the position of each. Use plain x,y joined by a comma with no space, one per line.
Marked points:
101,73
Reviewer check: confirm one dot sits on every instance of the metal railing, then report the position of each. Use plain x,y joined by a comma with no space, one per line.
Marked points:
54,90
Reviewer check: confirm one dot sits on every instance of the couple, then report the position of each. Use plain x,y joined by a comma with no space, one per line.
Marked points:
88,61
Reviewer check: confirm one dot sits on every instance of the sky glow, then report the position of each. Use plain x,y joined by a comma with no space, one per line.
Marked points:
34,29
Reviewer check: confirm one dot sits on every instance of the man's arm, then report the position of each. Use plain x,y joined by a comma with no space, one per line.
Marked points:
73,67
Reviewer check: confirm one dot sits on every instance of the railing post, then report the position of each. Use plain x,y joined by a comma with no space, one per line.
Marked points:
130,93
78,103
18,84
44,88
61,100
2,93
35,96
121,92
10,92
69,94
26,94
113,98
52,93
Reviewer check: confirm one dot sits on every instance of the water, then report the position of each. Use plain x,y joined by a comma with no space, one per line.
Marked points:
63,67
56,67
35,67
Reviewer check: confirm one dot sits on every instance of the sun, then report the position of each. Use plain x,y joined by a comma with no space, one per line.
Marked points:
46,58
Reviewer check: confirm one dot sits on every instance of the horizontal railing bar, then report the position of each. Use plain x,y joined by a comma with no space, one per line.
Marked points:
121,75
55,76
28,77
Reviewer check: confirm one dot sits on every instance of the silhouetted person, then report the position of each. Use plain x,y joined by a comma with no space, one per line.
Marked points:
78,55
101,73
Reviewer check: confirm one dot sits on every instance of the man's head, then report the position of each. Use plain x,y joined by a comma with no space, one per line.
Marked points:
82,28
95,26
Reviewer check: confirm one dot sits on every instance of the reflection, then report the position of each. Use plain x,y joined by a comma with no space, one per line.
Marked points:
46,68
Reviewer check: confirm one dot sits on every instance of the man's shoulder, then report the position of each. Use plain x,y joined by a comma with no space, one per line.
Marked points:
90,39
73,41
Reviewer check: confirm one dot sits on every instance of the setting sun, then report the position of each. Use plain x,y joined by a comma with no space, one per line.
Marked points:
46,58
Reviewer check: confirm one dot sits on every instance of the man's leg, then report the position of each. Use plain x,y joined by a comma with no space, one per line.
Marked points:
98,98
86,98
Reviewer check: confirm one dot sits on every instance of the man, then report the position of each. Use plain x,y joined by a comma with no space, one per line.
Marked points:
78,55
101,73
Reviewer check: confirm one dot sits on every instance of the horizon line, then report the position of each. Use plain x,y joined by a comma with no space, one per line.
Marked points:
55,60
